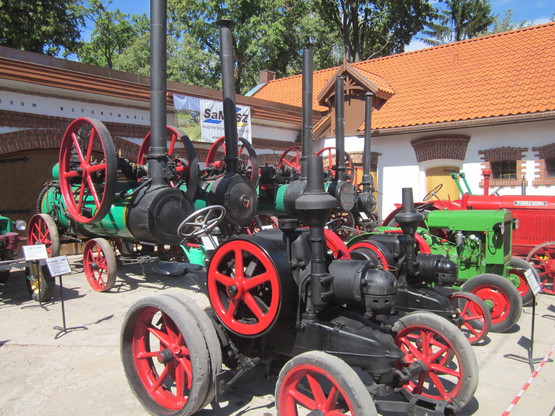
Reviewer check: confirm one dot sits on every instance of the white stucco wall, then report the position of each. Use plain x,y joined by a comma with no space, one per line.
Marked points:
398,168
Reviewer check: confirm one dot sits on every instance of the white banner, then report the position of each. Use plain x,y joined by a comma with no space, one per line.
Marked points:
203,120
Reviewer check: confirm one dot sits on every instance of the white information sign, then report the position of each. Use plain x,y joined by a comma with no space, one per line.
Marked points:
207,242
35,252
58,266
532,281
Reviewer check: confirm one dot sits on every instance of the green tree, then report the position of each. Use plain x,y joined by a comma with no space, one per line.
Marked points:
370,29
505,23
113,32
42,26
458,20
268,34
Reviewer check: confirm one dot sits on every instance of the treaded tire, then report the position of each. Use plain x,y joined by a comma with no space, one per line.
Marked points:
143,368
416,334
328,368
524,289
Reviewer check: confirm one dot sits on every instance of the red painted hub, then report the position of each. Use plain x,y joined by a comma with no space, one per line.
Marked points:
313,388
244,287
429,349
495,299
165,343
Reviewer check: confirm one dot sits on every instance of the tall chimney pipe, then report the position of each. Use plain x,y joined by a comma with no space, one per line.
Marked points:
367,153
228,88
340,128
306,138
157,155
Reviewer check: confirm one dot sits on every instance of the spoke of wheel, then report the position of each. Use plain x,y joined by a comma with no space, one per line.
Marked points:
93,191
303,399
172,335
239,265
96,168
223,279
445,370
471,328
438,384
70,174
146,354
255,281
161,335
172,143
232,307
316,388
90,145
100,280
81,196
161,378
77,147
254,306
413,349
186,368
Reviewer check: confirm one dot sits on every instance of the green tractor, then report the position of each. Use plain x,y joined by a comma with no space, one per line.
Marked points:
478,241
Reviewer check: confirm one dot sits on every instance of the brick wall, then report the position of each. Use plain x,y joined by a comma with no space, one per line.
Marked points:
500,154
440,147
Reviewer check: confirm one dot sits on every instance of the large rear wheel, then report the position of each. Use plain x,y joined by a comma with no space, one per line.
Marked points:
316,383
165,357
439,362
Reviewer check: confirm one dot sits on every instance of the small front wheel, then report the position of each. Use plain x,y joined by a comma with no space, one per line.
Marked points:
439,362
476,317
99,264
501,297
317,383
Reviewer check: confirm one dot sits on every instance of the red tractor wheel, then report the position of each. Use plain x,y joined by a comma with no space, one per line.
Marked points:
43,230
336,245
247,157
328,154
88,170
375,251
165,356
543,258
500,296
517,271
291,157
439,361
99,264
244,287
318,383
186,163
476,317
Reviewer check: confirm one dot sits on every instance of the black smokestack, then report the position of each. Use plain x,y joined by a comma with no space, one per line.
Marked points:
306,138
340,127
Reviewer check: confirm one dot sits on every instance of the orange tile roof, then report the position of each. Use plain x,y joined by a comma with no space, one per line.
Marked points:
497,75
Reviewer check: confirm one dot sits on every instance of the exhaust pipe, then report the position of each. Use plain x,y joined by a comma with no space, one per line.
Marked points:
157,155
367,181
340,128
307,136
228,89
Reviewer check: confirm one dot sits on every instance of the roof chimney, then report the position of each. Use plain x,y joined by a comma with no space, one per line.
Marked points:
266,76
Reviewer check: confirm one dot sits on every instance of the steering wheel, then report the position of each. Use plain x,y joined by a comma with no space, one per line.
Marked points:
201,221
433,192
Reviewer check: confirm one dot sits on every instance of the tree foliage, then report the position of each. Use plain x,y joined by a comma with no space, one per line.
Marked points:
370,29
458,20
505,23
42,26
113,33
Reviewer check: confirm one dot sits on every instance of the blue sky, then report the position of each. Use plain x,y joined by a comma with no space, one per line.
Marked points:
536,11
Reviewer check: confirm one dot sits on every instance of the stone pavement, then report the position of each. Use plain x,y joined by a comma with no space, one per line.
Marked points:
45,372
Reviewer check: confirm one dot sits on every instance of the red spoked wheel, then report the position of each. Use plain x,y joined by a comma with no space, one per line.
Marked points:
342,223
244,287
88,170
186,161
500,296
43,230
248,161
475,315
439,362
317,383
375,251
290,157
543,258
328,154
99,264
165,356
336,245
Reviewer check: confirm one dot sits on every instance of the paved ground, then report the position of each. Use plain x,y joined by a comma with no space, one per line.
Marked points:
79,372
